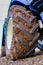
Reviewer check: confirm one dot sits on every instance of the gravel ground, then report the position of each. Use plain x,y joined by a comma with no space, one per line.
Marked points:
38,60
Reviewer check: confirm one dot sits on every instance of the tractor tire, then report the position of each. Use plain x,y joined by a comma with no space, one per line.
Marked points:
25,31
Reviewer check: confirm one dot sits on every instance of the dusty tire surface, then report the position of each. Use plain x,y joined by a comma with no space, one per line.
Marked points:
25,31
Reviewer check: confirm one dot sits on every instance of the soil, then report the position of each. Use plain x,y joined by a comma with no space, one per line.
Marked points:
38,60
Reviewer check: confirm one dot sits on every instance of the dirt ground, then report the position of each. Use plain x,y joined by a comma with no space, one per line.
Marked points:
38,60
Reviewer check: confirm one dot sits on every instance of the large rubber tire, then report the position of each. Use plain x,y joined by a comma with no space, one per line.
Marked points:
25,31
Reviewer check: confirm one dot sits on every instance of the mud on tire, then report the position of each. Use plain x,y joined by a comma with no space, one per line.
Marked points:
25,31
